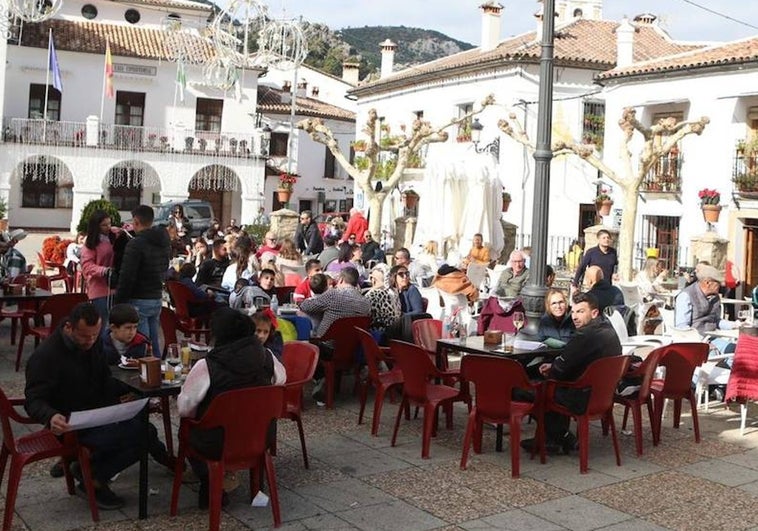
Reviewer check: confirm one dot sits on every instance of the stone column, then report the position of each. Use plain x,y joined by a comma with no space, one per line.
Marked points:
82,196
509,241
709,247
284,223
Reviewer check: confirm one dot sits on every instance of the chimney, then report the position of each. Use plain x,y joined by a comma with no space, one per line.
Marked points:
314,92
286,92
540,17
351,72
302,88
388,57
624,44
645,19
490,25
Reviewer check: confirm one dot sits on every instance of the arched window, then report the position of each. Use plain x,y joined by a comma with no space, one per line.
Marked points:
40,186
125,188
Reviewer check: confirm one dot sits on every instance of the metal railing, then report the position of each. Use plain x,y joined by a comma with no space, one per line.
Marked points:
665,175
745,169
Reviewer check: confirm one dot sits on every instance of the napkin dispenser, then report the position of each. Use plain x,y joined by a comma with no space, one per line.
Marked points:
493,337
150,371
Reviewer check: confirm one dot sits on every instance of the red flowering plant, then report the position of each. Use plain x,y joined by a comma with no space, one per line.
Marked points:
709,197
48,247
287,181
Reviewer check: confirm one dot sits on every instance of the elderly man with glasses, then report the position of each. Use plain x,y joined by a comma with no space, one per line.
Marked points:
514,277
698,305
270,245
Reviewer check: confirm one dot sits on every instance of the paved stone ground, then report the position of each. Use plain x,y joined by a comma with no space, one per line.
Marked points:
357,481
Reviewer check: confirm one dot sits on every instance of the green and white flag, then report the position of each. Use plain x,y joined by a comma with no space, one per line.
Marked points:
181,80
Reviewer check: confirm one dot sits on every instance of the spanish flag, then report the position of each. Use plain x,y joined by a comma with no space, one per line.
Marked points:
109,92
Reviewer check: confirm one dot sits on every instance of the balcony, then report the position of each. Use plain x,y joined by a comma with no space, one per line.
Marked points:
745,171
664,180
134,139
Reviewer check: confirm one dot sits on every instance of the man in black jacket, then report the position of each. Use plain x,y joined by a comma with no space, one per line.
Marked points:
307,236
211,271
145,262
595,338
69,372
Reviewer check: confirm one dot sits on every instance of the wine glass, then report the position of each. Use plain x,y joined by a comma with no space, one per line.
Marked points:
518,321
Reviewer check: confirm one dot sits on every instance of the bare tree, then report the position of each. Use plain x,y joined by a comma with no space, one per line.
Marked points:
400,150
659,139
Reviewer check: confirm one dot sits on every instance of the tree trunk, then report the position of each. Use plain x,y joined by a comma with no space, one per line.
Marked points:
626,232
376,206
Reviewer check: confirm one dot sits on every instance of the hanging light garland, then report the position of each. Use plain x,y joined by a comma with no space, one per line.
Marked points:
215,177
8,20
282,45
132,174
34,10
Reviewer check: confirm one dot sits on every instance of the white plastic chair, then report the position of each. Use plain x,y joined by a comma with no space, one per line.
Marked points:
619,325
434,307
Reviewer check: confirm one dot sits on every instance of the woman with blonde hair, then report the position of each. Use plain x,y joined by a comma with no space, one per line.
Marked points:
556,322
650,279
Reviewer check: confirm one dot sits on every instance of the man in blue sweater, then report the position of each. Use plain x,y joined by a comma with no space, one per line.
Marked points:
604,256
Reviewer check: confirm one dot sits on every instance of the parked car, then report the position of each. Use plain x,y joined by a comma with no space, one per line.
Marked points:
199,213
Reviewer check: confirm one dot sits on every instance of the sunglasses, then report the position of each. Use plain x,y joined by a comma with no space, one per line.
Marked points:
402,274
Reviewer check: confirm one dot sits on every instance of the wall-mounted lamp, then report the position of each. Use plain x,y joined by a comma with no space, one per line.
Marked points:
476,133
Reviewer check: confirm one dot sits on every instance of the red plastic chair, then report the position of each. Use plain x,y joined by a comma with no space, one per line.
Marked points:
382,381
168,326
680,361
426,332
23,308
299,359
494,380
245,416
601,377
418,371
57,307
60,274
283,293
342,333
646,371
181,296
36,446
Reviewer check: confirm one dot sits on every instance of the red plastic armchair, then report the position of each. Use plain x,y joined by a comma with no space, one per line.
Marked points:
299,359
245,416
494,380
634,402
23,308
342,333
57,307
60,272
680,361
36,446
181,296
601,377
418,372
426,332
382,381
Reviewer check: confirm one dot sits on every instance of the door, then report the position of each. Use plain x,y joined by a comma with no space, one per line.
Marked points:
750,267
216,199
130,114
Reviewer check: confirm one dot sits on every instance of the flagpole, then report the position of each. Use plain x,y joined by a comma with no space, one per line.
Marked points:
105,75
47,85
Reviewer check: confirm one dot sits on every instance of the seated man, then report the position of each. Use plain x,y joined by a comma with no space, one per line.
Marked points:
605,293
479,253
69,372
594,339
514,277
698,305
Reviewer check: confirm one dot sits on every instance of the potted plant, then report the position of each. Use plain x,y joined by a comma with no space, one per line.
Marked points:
203,143
217,142
151,138
709,203
740,147
243,148
233,145
506,201
286,185
164,143
603,202
3,215
359,146
189,141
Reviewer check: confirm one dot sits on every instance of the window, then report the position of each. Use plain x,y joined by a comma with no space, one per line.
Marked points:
127,194
329,163
464,128
130,108
38,185
37,102
593,123
132,16
208,114
278,146
89,11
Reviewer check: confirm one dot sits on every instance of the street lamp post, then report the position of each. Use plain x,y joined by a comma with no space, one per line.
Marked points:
533,294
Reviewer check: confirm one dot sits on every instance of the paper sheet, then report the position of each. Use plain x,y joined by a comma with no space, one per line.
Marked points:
90,418
522,344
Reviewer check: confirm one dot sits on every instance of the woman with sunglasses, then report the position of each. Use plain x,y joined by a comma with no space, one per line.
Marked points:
556,322
410,297
180,228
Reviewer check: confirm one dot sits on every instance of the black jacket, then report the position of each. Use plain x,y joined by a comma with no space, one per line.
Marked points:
145,262
550,328
607,294
211,272
596,340
308,239
60,378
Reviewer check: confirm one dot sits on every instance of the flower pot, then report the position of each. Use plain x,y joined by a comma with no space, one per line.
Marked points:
506,204
604,207
711,213
3,225
283,195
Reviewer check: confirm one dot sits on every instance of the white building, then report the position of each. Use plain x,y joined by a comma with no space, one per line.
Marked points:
585,46
147,144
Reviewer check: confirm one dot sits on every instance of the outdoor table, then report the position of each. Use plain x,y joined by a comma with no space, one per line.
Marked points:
38,297
132,379
476,345
729,334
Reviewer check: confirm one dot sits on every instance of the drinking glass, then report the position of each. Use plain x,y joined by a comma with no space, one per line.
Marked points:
518,321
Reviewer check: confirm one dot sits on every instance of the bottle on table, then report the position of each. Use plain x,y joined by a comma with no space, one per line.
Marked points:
275,304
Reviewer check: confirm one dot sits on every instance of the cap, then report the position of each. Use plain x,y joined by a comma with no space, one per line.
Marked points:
706,271
17,234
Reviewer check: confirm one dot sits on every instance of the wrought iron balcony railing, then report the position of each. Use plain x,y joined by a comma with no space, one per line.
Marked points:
666,174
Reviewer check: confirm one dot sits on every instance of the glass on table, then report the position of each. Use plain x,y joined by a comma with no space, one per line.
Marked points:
508,340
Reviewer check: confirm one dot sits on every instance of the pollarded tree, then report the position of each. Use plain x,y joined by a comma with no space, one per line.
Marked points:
659,139
386,158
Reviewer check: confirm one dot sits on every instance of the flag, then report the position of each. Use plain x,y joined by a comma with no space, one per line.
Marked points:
53,66
109,92
181,80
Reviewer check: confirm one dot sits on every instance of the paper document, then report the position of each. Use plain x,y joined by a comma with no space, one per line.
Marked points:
90,418
522,344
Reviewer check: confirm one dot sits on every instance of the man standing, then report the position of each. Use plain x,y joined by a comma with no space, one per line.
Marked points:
357,225
262,218
595,338
69,372
603,256
307,236
140,280
698,305
513,278
211,271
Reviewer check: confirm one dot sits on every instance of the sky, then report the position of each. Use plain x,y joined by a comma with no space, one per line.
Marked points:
461,20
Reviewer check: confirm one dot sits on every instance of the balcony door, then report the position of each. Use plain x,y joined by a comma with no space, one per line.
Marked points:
130,113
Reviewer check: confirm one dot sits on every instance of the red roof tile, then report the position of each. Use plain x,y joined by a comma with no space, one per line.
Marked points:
582,43
732,53
270,101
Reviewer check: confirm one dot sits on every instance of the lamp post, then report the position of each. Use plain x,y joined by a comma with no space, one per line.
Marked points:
476,135
533,294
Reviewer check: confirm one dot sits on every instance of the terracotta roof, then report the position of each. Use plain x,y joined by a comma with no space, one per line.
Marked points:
270,101
581,43
731,53
125,40
183,4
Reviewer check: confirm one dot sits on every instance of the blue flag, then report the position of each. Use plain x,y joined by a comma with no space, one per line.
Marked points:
53,66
